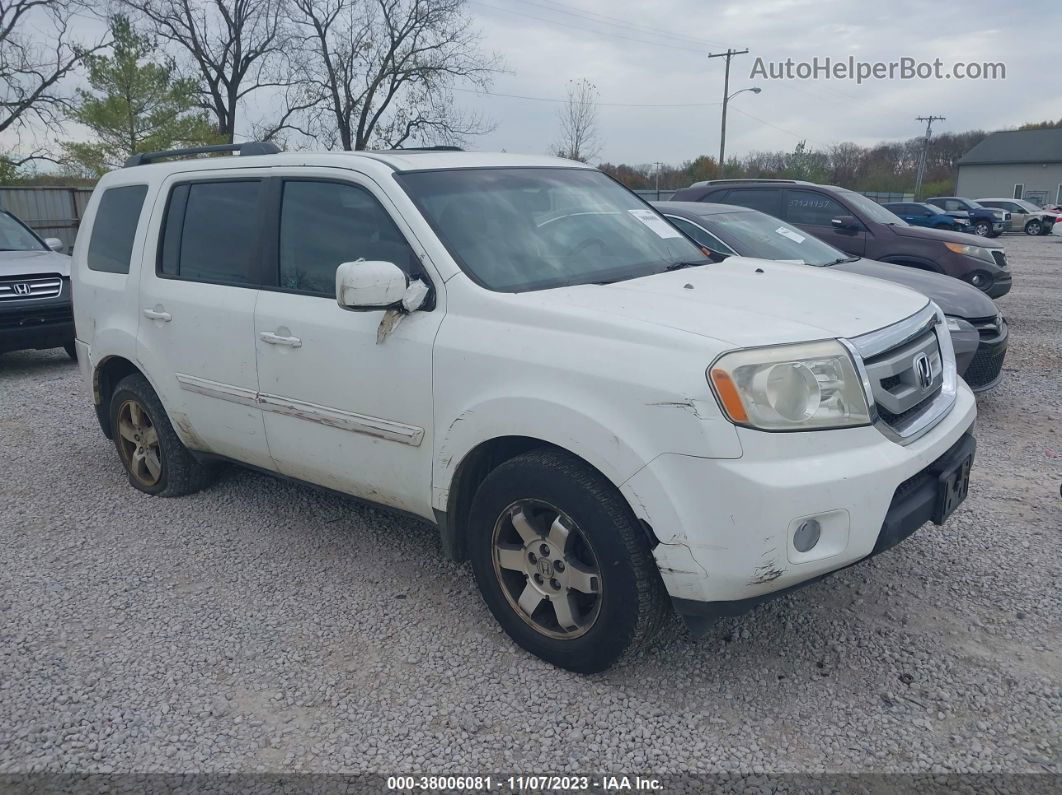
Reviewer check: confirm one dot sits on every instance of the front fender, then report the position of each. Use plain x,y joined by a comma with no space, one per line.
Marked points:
614,442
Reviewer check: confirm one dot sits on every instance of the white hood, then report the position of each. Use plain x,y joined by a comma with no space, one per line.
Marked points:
28,263
745,302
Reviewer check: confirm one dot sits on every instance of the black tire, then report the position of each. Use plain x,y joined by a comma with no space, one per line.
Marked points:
1034,227
179,471
632,603
71,349
983,228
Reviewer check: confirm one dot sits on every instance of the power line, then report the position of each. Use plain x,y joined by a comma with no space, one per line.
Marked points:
605,19
774,126
602,104
608,34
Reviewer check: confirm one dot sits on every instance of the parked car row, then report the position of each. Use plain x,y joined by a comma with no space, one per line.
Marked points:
861,227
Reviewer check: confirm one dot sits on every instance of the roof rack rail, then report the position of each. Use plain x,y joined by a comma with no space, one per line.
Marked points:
425,149
245,149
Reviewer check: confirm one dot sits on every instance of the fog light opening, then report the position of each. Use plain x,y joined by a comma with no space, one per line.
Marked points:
807,535
978,280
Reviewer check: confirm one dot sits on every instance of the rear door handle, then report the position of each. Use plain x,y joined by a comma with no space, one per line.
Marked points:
275,339
156,314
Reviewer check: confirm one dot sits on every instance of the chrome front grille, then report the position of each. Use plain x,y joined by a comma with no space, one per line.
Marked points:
20,288
908,372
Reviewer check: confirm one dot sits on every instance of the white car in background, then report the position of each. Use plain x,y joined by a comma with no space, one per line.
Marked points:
521,351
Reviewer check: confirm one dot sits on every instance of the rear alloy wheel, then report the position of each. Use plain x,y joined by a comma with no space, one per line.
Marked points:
1034,227
138,444
983,228
152,454
563,563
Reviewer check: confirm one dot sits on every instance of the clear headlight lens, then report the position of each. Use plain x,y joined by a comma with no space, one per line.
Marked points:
977,252
790,387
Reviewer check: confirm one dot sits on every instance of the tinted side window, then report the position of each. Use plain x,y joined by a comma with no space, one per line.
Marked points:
211,232
766,200
324,224
111,244
810,207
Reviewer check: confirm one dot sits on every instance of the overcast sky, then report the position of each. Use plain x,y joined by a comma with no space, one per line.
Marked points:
654,52
544,47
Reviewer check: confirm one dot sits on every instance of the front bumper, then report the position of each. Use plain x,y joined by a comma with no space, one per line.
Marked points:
985,368
37,323
1000,286
726,526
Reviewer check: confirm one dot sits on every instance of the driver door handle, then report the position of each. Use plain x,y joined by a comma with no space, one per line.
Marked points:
155,314
274,339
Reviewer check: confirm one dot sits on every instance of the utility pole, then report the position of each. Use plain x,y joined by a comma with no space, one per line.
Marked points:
658,165
726,97
925,151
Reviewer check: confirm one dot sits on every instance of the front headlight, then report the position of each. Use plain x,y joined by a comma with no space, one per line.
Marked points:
977,252
790,387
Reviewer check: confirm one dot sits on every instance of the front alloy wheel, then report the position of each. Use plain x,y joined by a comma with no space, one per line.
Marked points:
138,444
1034,227
983,228
547,569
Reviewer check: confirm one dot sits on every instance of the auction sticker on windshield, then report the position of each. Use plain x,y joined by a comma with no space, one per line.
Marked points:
796,237
656,223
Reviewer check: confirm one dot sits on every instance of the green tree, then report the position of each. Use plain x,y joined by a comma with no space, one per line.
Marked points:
137,103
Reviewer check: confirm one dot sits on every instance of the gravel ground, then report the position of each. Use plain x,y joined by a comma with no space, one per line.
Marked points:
264,626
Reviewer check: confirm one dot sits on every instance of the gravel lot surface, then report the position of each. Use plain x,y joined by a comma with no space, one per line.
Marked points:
262,625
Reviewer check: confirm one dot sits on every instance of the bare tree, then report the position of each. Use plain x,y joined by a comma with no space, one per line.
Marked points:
36,55
579,138
235,47
381,72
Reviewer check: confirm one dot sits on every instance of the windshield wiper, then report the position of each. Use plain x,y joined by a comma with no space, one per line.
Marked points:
841,260
677,266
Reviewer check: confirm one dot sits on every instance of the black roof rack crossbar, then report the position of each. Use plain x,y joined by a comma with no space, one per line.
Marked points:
245,149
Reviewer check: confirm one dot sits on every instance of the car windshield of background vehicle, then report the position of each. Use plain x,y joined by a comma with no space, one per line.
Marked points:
754,234
519,229
1028,206
15,237
872,209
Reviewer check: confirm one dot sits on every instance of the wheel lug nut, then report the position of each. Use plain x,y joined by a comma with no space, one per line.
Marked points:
532,557
538,578
544,549
559,565
556,585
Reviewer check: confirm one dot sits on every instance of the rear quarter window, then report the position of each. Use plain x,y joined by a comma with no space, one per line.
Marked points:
114,228
766,200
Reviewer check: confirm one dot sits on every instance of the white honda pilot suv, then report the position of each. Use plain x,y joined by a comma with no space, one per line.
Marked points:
521,351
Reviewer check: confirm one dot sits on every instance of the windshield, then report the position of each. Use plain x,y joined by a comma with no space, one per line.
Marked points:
15,237
871,209
756,234
1032,208
517,229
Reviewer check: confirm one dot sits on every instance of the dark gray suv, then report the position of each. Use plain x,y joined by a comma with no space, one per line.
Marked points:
860,226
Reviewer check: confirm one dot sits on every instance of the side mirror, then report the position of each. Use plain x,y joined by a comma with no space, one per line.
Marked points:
845,222
54,243
370,284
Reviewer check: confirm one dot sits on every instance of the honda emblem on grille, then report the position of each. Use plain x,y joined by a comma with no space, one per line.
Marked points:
21,288
924,370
